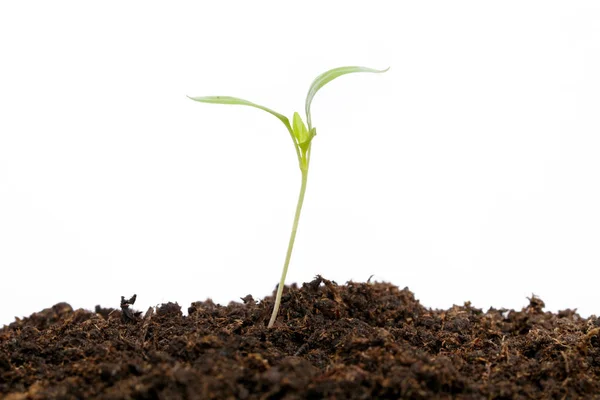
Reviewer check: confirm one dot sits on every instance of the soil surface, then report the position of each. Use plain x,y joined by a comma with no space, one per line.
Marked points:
353,341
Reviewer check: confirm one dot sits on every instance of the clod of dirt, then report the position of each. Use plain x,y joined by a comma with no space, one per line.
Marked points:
354,341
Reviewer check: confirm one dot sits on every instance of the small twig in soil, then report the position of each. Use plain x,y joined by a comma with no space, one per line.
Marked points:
306,344
127,314
147,318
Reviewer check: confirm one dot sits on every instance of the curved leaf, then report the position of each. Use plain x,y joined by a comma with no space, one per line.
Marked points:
242,102
327,77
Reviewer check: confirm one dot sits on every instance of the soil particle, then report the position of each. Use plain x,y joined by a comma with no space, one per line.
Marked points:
352,341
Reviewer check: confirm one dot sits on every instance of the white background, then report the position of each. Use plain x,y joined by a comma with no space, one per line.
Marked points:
469,171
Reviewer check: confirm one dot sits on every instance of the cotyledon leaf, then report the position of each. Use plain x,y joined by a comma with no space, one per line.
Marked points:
242,102
327,77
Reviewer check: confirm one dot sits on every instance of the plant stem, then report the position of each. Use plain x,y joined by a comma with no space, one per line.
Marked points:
290,247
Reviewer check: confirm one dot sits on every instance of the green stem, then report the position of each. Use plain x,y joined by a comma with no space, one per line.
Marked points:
290,247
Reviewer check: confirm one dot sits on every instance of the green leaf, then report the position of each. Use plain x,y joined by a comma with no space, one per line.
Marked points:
327,77
300,131
242,102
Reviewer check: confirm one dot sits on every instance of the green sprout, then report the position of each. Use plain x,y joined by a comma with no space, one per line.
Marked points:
302,135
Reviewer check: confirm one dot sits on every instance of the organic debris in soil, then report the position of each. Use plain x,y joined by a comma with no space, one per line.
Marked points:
356,341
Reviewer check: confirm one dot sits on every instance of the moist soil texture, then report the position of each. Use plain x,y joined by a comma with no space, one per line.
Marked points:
330,341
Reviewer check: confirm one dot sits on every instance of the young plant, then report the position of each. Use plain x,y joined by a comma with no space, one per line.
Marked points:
302,135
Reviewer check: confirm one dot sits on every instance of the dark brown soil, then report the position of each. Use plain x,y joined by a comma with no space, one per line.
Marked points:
357,341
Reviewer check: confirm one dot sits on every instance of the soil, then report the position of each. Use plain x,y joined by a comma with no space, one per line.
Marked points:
352,341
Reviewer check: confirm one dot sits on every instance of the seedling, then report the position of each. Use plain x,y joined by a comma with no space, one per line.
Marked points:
302,135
